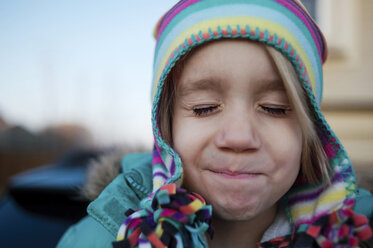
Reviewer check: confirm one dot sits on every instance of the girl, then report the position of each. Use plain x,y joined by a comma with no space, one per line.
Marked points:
243,156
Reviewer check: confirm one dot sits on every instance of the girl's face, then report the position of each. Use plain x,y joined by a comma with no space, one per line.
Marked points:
234,129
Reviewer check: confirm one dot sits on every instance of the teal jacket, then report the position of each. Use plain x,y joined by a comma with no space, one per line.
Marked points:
107,212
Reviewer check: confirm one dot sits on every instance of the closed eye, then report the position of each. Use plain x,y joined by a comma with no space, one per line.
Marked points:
276,111
204,110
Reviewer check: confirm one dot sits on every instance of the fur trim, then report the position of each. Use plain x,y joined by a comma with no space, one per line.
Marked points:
100,173
103,170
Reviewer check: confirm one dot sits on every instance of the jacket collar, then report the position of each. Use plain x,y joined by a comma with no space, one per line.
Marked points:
124,192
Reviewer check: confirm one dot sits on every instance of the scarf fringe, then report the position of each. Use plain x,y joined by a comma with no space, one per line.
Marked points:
341,228
176,218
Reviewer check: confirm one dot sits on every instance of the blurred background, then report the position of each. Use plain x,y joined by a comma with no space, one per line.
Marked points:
348,72
74,84
75,76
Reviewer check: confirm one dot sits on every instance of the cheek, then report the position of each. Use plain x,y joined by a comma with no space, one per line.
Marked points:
287,150
191,145
185,143
190,136
191,141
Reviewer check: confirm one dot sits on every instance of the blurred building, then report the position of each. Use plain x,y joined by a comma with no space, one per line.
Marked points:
66,136
21,149
348,72
3,124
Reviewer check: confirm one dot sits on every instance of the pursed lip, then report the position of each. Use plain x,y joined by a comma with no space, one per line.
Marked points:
234,174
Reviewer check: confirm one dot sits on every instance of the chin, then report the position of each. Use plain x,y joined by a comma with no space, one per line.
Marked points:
243,212
235,209
234,214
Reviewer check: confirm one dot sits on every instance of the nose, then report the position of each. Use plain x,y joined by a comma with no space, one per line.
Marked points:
238,133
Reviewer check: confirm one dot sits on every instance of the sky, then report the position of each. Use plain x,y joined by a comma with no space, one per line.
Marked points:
85,62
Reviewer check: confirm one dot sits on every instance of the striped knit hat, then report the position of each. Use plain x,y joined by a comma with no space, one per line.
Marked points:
284,25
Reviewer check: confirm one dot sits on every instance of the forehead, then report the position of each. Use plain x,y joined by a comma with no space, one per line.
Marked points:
213,65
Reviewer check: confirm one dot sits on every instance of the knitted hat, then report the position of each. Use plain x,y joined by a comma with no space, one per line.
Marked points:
282,24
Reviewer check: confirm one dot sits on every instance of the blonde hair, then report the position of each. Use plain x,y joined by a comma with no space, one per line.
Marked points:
314,162
167,99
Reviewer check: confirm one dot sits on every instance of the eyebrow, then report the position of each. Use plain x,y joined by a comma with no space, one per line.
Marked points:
204,84
269,85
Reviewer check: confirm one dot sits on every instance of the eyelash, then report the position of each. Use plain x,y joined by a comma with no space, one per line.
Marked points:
201,111
278,111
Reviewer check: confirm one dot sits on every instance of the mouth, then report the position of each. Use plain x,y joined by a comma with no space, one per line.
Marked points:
235,174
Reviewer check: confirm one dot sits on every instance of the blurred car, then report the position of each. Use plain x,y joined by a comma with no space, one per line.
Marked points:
42,203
